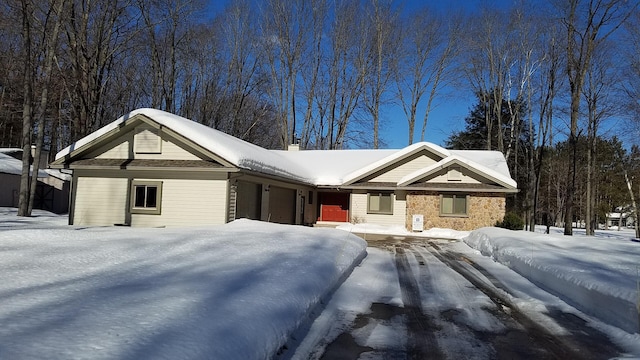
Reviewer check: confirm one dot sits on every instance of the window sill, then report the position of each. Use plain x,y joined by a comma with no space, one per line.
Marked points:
145,211
455,215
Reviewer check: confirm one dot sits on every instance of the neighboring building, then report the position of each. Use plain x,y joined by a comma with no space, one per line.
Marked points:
52,191
152,168
619,219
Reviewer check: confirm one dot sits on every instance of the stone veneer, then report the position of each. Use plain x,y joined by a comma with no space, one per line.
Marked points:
484,209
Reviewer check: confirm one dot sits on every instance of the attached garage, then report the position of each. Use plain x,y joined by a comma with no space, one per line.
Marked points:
282,205
248,200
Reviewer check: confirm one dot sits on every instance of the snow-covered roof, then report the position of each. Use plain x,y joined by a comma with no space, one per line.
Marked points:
331,166
10,150
11,165
236,151
58,174
317,167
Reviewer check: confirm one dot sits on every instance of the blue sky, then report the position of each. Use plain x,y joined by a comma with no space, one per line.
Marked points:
448,112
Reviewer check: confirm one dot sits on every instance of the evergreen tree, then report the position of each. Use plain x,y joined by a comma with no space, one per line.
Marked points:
475,136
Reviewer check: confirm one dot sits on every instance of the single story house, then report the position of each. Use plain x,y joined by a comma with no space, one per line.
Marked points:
152,168
52,190
619,219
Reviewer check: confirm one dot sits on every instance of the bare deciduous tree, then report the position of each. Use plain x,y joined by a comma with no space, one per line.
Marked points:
284,29
588,24
426,53
383,39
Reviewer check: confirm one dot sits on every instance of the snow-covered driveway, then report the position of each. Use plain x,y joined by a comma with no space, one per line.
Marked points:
436,299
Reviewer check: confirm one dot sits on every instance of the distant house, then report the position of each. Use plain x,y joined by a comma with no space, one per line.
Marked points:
619,219
152,168
52,191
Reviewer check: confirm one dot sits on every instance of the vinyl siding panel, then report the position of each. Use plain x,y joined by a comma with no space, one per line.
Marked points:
117,149
443,177
395,173
122,148
358,209
170,151
188,203
100,201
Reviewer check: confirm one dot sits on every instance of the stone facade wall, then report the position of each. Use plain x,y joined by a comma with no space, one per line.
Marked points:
483,209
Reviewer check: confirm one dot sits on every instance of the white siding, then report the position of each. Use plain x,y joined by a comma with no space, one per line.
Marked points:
188,203
170,151
358,208
117,149
147,140
398,172
100,201
121,148
443,177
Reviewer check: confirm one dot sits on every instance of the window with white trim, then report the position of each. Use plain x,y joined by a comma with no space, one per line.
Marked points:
380,203
453,204
146,197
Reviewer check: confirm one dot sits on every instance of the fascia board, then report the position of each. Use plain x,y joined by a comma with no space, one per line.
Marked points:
97,137
467,164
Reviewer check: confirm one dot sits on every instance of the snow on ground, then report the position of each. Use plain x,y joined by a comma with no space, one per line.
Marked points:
236,291
375,280
607,261
598,275
399,230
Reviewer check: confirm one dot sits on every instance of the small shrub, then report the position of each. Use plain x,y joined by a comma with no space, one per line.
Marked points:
357,219
511,221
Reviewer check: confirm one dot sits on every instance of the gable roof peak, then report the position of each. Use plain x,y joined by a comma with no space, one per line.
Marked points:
469,164
399,155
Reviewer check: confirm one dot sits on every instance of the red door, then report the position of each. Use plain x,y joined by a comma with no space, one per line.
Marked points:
334,207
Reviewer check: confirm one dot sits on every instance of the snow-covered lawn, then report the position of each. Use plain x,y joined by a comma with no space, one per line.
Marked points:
245,289
599,275
236,291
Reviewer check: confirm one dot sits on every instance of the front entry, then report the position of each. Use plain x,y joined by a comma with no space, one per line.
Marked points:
334,206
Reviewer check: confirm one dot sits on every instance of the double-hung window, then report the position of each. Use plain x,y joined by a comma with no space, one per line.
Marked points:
380,203
453,205
146,197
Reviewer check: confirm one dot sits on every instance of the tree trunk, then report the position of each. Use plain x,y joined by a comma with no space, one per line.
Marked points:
633,203
589,192
49,50
23,200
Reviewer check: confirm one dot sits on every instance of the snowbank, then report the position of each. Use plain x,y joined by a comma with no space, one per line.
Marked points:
236,291
597,275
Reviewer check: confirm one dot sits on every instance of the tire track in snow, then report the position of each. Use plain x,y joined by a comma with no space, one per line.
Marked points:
539,336
422,342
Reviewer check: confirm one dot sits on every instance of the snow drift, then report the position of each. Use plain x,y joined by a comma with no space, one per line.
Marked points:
597,275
